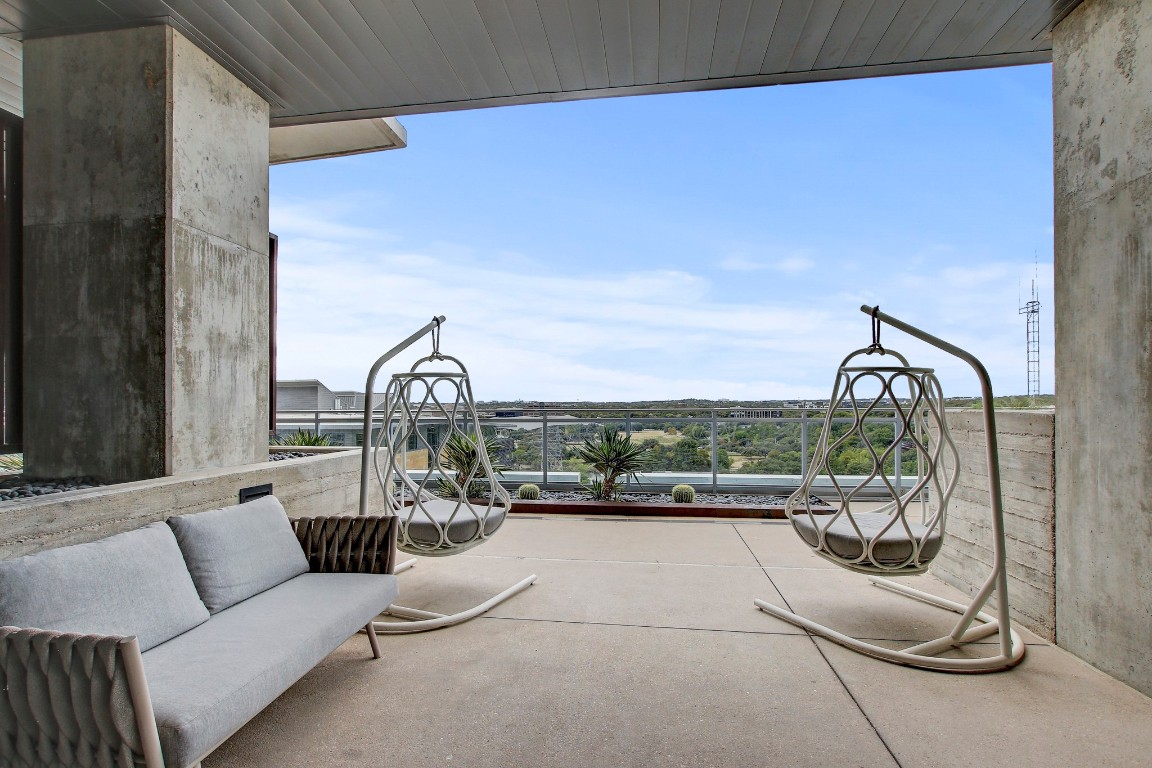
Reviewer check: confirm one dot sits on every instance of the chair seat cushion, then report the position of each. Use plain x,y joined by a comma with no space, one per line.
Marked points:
891,548
133,583
208,682
424,523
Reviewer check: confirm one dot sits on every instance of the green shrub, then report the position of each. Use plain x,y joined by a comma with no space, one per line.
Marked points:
683,494
528,491
302,437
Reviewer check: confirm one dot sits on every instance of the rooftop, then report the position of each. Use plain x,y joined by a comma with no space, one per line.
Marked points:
639,645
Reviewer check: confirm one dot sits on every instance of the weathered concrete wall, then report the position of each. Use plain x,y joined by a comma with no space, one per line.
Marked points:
145,283
327,484
94,212
218,281
1102,93
1027,479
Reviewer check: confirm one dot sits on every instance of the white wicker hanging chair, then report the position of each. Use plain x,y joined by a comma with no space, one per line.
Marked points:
451,503
454,502
893,540
904,535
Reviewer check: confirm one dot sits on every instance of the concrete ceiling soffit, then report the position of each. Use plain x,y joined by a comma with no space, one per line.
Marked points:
316,61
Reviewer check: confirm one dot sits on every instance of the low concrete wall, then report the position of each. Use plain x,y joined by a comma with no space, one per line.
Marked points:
1027,469
326,484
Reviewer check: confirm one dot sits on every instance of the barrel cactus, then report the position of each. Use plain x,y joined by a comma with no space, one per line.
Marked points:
683,494
528,491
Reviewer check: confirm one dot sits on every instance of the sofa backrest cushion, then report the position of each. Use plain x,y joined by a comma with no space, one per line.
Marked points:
239,551
133,583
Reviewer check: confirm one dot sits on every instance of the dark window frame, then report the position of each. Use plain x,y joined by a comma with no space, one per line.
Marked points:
11,283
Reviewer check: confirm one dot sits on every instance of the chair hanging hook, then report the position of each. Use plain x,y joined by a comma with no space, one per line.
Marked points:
436,339
876,346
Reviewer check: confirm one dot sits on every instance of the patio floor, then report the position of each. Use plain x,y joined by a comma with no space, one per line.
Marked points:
639,646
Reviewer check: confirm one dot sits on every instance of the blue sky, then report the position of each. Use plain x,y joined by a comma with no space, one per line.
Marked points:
713,245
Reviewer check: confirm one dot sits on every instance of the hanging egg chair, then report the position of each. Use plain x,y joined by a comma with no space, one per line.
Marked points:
892,540
905,534
437,474
431,464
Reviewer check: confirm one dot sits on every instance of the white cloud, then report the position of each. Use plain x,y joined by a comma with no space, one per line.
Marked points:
530,329
741,263
794,265
317,223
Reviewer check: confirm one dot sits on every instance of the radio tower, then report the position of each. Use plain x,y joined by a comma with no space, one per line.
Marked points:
1031,311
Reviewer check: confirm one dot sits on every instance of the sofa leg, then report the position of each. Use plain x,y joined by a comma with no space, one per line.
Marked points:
371,631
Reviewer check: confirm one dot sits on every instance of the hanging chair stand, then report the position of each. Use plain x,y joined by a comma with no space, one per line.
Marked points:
974,624
415,620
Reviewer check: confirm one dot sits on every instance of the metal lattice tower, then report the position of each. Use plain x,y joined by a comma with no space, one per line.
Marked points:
1031,310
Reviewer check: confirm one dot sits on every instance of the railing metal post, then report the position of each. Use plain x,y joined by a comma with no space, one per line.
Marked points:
628,434
896,453
316,422
803,445
544,450
715,450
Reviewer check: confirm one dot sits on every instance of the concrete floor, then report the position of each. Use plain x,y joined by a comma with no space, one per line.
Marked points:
639,646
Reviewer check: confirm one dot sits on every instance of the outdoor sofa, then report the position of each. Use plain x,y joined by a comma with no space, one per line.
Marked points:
152,647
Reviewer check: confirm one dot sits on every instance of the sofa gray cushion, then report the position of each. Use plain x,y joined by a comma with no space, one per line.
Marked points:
239,551
133,583
208,682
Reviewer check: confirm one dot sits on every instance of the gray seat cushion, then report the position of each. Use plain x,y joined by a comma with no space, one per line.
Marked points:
133,583
239,551
208,682
892,547
422,521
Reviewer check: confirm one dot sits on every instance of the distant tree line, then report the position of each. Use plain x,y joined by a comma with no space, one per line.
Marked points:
770,448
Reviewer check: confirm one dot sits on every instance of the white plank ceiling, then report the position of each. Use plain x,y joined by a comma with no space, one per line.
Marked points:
321,60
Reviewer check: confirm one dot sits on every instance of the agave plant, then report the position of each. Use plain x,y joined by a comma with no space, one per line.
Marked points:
461,454
612,456
302,437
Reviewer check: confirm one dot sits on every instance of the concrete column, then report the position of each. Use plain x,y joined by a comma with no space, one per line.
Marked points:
1102,94
146,268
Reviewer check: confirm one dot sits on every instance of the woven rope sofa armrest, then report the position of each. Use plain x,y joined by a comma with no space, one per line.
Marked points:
348,543
71,699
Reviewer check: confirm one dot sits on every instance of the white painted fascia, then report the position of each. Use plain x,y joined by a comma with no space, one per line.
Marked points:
293,143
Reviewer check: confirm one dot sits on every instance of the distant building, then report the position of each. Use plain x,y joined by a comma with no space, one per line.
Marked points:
312,395
757,413
304,395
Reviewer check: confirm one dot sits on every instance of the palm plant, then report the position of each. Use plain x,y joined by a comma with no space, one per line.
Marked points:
12,462
612,455
461,454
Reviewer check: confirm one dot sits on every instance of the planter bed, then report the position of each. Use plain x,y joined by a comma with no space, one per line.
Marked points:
648,509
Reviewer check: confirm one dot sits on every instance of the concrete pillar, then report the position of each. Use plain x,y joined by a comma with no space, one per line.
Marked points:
146,267
1102,94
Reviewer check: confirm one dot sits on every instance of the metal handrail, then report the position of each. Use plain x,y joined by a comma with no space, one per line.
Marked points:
543,417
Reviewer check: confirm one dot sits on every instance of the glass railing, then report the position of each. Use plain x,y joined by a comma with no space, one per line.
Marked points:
718,450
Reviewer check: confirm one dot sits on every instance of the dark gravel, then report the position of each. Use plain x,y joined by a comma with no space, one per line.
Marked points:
281,455
19,488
